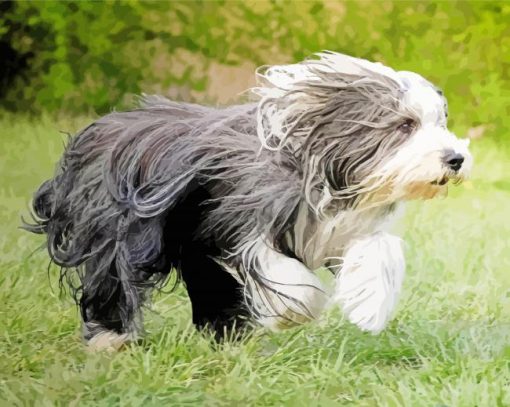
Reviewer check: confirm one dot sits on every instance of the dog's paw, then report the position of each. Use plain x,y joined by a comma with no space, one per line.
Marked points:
368,285
108,341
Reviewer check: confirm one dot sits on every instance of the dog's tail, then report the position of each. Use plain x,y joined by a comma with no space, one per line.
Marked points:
41,209
44,205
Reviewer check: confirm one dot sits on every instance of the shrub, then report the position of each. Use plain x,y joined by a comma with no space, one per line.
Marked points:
77,56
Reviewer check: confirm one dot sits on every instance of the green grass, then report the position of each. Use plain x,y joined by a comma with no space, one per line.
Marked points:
448,345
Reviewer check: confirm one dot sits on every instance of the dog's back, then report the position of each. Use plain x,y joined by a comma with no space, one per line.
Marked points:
88,151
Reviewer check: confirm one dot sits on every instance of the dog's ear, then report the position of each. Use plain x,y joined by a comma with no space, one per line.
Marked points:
293,96
283,77
287,77
347,65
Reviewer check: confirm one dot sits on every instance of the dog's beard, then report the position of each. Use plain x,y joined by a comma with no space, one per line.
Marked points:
416,170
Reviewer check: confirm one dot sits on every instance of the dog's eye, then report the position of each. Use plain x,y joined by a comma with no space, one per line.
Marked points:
407,127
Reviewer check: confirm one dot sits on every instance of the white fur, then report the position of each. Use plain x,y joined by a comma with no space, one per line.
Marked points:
295,294
328,238
420,159
422,99
369,283
106,340
417,168
419,162
432,138
371,260
286,77
367,286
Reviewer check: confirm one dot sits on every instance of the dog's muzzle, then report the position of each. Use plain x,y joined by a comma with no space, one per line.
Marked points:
453,160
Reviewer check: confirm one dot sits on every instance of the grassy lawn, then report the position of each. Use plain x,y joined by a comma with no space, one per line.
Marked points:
448,345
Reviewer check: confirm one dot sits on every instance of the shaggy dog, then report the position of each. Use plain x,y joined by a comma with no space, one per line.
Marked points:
244,202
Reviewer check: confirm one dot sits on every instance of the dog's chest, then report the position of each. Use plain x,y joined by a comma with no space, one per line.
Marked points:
318,242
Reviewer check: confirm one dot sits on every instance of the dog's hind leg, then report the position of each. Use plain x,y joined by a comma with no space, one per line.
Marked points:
216,296
217,299
109,321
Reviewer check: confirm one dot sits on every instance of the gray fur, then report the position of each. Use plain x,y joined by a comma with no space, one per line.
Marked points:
121,177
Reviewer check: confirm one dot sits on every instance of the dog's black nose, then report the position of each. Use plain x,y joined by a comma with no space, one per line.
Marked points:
454,160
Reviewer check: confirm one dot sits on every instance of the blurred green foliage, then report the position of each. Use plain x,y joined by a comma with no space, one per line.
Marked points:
82,56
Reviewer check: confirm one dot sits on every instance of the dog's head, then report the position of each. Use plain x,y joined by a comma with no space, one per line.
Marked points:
363,131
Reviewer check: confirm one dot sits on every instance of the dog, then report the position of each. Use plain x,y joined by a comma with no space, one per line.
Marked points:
245,202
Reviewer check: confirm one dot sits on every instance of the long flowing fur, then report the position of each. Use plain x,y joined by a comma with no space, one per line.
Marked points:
121,176
143,192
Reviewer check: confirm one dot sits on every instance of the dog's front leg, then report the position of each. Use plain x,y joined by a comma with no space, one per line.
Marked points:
369,282
282,291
